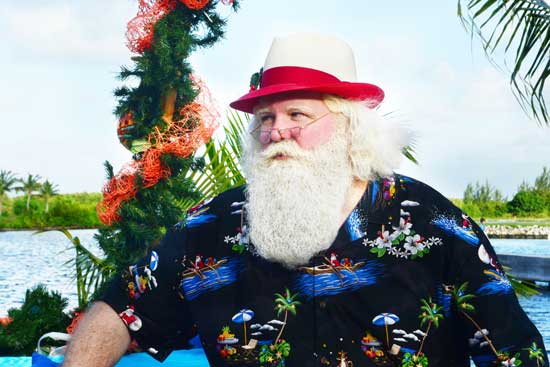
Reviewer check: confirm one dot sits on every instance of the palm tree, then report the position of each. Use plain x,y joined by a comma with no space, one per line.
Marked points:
461,300
285,302
47,191
29,187
523,25
430,315
7,182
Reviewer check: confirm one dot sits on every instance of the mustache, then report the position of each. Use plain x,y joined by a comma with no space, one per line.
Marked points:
288,148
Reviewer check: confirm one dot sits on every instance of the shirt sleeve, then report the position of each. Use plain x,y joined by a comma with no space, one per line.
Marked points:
497,330
147,298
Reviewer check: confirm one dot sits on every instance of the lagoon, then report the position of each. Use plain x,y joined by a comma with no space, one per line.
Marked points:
27,259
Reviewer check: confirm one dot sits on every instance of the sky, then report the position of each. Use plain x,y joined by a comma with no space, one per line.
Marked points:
59,62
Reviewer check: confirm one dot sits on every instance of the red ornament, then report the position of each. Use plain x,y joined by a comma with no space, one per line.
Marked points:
195,4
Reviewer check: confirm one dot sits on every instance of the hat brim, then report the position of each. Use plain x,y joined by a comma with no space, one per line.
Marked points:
353,91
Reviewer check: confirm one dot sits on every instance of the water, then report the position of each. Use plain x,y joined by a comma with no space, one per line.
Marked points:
522,247
28,259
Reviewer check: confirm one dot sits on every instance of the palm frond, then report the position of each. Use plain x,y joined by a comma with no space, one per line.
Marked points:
525,26
221,171
522,288
90,271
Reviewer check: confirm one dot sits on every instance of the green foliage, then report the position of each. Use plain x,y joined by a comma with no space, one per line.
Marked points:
41,312
275,354
66,210
520,27
528,203
484,200
414,360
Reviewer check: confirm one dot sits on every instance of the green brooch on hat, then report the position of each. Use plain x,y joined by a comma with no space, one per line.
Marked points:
256,79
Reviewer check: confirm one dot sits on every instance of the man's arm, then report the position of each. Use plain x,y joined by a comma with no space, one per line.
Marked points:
100,339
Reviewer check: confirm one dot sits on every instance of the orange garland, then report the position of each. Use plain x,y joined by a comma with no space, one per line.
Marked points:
195,4
195,126
140,30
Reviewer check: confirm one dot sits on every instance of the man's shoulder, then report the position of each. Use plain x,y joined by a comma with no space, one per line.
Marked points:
221,207
400,191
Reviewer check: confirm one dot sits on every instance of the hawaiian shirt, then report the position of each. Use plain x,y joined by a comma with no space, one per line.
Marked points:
409,280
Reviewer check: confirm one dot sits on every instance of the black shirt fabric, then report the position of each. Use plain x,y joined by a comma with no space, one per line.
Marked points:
410,280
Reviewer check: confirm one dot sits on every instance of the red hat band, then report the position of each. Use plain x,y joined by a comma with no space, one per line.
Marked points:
295,75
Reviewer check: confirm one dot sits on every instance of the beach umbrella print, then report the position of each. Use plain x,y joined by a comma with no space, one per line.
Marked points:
243,316
385,319
154,261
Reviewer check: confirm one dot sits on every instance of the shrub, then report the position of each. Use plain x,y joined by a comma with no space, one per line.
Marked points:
527,203
41,312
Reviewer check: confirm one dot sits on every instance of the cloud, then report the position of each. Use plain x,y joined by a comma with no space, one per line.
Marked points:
399,331
276,322
411,336
255,326
400,340
65,31
419,332
268,328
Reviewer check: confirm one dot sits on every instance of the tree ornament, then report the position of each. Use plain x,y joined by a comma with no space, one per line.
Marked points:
195,4
124,130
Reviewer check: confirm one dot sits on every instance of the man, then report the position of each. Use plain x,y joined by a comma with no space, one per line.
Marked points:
326,258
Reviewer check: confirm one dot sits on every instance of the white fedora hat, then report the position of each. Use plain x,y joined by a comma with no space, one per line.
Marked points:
309,62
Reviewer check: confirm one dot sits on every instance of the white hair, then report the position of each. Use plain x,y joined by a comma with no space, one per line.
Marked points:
376,144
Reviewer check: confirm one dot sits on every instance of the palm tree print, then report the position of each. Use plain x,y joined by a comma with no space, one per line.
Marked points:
461,300
284,303
431,314
536,353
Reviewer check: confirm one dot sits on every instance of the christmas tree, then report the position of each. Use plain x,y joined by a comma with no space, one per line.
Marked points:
162,120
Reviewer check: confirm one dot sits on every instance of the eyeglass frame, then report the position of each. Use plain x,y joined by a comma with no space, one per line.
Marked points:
270,130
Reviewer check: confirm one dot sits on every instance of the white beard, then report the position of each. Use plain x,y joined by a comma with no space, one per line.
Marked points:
295,205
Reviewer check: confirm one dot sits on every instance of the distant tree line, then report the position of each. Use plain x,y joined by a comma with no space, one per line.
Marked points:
484,200
41,205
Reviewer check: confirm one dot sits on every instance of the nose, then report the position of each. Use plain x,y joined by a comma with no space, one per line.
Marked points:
279,129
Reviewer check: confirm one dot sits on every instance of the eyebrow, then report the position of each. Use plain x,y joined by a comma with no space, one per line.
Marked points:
300,107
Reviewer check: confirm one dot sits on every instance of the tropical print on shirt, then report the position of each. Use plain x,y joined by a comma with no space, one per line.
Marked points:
409,280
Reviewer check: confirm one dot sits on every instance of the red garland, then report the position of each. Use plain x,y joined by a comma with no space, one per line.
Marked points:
195,4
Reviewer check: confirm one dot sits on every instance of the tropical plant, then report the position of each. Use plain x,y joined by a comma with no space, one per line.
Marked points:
29,187
523,25
221,157
285,302
7,182
47,191
431,314
91,272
